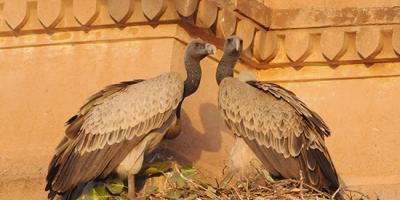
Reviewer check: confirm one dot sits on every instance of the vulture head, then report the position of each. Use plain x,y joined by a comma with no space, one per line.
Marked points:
233,46
199,49
194,53
232,50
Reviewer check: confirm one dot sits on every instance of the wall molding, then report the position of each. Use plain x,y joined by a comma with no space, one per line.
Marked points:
271,37
283,19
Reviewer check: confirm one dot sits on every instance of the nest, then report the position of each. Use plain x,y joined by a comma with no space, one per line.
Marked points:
169,180
255,188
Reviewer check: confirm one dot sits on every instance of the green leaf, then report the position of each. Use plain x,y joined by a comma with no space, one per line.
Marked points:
175,194
98,193
188,171
267,176
192,197
177,180
88,196
158,168
115,187
102,193
118,198
150,191
211,193
205,184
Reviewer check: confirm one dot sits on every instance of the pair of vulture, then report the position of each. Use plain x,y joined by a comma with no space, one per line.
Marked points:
122,123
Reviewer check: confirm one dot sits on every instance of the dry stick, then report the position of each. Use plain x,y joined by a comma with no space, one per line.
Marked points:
357,192
301,185
247,188
265,188
311,187
232,192
191,181
237,193
336,192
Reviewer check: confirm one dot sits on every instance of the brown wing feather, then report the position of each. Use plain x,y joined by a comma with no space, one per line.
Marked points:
311,117
282,131
76,121
109,126
71,168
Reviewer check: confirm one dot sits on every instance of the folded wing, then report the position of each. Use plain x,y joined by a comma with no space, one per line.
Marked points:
109,126
284,133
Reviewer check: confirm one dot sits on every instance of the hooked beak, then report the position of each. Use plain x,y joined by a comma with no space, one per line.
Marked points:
237,44
211,49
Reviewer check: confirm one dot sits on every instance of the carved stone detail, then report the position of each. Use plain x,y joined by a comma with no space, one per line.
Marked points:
50,12
265,45
226,23
245,30
297,46
15,13
369,42
85,11
120,10
206,13
186,8
153,9
247,18
333,44
396,39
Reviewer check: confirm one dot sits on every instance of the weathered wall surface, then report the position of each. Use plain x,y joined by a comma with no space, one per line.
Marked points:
43,86
341,58
326,3
362,112
52,59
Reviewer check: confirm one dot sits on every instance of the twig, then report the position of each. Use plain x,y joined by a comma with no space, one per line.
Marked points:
311,187
336,192
301,185
247,188
188,180
357,192
237,193
192,182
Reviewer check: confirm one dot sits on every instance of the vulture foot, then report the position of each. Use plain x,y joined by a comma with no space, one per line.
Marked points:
131,187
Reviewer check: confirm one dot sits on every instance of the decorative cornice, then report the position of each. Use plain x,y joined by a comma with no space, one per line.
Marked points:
264,45
326,46
23,16
284,19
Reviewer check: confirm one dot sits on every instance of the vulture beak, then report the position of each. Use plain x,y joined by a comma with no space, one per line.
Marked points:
211,49
237,44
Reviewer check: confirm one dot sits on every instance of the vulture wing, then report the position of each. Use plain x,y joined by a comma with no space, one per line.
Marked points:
283,132
109,126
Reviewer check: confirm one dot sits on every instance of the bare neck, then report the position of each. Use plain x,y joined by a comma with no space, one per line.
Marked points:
225,67
193,72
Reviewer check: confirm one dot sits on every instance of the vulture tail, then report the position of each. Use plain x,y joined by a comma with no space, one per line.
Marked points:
327,169
54,168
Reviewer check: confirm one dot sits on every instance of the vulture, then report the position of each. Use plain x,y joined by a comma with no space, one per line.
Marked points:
119,125
285,135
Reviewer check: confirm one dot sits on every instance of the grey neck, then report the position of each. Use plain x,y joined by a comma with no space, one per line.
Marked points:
193,72
225,67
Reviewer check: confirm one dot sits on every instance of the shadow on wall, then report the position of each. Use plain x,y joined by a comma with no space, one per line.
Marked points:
189,145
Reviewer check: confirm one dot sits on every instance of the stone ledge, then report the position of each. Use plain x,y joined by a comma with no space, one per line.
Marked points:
294,46
326,46
328,17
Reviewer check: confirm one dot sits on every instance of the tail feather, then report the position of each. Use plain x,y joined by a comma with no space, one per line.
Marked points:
54,168
327,169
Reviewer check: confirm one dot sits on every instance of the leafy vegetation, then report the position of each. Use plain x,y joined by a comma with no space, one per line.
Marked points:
181,182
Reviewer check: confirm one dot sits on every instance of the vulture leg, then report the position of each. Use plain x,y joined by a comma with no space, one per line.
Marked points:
131,187
174,130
